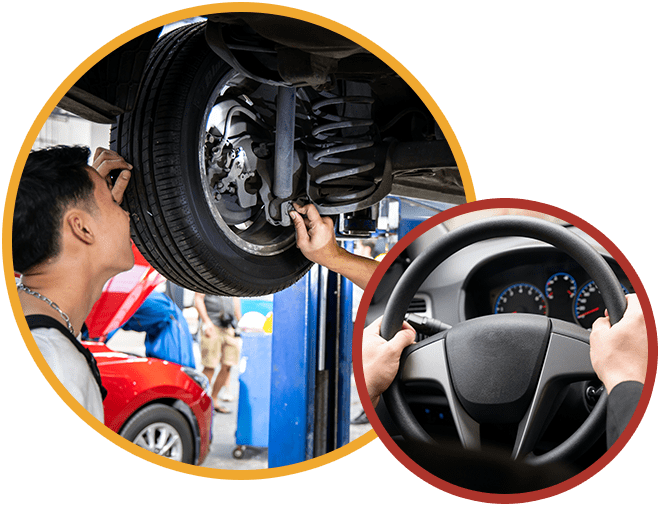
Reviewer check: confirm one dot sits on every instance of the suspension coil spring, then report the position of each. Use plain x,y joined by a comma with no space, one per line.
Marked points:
336,178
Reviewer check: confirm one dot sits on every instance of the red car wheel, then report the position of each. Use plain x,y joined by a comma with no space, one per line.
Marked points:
161,430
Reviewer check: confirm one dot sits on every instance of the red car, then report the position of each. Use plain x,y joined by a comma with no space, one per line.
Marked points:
159,405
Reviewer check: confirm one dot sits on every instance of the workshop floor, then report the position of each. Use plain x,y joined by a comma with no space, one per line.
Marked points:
224,425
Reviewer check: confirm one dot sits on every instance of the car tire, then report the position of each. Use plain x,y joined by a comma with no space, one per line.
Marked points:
161,430
172,217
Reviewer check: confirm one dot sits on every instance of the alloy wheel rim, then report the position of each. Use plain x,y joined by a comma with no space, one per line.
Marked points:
162,439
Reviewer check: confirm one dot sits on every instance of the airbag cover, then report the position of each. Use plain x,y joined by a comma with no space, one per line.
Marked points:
495,362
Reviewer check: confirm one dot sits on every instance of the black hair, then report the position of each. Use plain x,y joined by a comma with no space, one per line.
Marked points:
53,180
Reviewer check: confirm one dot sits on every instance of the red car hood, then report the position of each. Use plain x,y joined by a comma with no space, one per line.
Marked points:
121,297
104,356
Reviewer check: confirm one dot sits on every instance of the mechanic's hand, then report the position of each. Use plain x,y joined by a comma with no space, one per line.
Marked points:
106,161
381,357
315,236
619,353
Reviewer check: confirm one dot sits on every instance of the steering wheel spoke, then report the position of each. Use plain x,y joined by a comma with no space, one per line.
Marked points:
567,360
427,361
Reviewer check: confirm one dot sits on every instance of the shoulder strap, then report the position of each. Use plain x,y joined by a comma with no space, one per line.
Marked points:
36,321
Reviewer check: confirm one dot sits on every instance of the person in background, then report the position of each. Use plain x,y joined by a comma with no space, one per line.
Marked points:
218,342
167,336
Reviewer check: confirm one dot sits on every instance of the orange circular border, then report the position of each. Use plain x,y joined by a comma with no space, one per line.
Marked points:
610,453
29,142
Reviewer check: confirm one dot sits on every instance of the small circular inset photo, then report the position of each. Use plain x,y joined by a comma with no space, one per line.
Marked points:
505,351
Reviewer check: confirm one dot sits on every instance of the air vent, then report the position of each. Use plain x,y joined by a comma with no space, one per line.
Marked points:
418,305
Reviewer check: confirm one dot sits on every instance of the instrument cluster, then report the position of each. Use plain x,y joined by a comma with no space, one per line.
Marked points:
545,282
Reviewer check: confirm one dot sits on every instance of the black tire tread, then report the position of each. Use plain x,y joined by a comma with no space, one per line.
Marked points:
163,227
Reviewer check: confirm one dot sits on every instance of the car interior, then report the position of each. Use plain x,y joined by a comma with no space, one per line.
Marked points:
496,276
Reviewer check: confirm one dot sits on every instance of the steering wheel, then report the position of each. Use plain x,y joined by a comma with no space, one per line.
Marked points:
502,368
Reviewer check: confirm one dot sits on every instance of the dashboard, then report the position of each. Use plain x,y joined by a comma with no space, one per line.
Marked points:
503,275
542,281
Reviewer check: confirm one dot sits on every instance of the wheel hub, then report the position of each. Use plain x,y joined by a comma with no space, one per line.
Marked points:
235,167
228,172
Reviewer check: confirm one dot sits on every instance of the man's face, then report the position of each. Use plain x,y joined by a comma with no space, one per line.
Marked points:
113,229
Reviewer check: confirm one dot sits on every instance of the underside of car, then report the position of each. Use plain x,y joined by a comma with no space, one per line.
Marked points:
229,120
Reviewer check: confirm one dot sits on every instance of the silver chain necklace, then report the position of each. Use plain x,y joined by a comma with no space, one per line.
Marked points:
52,304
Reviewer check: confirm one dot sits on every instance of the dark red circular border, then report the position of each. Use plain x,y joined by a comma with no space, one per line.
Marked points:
529,206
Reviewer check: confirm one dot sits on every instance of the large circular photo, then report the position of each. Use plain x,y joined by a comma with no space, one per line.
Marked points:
150,217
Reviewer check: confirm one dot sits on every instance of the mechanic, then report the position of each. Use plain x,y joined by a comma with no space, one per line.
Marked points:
69,237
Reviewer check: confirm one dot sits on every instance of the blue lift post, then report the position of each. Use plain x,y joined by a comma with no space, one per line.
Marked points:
311,358
311,368
344,361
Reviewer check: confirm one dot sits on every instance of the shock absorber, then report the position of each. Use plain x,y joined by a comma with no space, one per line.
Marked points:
337,182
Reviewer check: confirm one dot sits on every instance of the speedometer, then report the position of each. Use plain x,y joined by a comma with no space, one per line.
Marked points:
589,304
521,298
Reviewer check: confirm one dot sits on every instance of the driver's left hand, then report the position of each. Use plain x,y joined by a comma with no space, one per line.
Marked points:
381,357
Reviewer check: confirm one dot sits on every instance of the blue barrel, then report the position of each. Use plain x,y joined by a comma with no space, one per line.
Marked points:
252,427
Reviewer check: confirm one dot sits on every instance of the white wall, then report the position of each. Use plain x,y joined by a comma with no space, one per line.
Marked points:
64,128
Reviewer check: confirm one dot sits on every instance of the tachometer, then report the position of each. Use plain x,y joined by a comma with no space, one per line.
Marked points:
561,286
521,298
589,304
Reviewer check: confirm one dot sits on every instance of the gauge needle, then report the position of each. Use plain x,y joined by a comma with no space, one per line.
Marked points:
588,312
